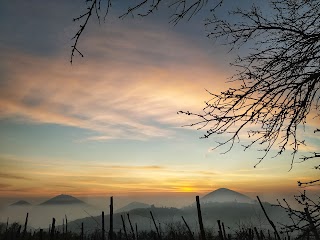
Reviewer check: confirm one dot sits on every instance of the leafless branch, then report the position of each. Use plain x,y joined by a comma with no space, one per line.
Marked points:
279,78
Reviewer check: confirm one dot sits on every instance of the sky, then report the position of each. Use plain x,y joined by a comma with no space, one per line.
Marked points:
108,124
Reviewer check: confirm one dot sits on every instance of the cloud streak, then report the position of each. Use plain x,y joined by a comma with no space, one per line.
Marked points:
98,178
126,88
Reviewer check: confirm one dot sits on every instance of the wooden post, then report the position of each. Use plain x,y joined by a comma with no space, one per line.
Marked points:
269,220
311,224
136,231
52,228
257,233
111,219
224,231
155,225
66,226
25,226
261,234
124,228
103,235
82,234
189,230
203,235
41,234
18,232
7,226
133,235
220,230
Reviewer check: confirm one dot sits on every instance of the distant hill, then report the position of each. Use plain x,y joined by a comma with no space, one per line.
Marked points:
224,195
133,205
21,203
231,213
63,200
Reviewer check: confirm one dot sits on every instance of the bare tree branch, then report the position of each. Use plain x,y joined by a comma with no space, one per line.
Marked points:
279,79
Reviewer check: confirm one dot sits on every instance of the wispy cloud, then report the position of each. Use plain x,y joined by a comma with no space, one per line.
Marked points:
99,178
13,176
125,89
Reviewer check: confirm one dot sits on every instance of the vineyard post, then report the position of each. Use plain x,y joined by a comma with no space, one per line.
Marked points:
269,220
25,226
189,230
103,235
52,228
257,233
155,225
132,230
136,231
124,228
41,234
66,225
220,230
224,231
111,219
203,235
82,231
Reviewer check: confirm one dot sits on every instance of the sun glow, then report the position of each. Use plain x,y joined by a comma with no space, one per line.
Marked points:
188,189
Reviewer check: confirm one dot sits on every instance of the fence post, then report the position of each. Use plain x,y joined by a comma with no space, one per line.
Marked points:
103,235
155,225
124,227
111,219
269,220
82,234
203,235
132,230
189,230
220,230
25,226
52,228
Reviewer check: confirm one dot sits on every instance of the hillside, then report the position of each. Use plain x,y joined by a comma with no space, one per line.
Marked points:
131,206
232,214
62,200
223,195
21,203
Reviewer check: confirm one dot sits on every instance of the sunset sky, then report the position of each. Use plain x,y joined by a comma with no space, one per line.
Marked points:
107,125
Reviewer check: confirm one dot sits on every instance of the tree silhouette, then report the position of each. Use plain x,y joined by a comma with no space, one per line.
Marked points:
180,9
277,85
279,79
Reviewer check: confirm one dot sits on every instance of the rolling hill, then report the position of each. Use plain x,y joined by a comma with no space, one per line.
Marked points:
63,200
131,206
21,203
224,195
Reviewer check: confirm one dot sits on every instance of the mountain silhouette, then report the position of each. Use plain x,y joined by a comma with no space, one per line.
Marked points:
62,200
21,203
133,205
223,195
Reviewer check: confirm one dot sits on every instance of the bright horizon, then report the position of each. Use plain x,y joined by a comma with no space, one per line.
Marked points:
107,125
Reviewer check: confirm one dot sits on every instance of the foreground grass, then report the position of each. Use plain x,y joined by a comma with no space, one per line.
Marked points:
16,231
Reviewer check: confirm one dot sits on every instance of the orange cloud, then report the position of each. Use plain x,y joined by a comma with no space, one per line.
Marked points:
41,177
126,88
